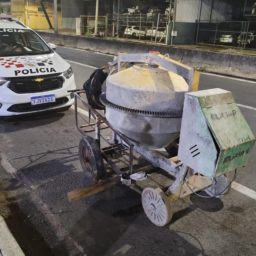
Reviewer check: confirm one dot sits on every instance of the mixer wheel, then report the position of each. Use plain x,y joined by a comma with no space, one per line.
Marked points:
91,159
156,206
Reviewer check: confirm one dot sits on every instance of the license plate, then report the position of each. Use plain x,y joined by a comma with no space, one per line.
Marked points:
42,99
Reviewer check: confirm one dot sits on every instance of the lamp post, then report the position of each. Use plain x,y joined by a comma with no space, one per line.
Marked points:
96,17
26,13
170,24
118,17
55,11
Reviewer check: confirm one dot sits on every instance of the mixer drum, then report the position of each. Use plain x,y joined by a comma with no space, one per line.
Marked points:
145,104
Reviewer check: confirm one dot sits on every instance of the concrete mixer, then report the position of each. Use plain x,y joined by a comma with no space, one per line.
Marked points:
150,108
145,103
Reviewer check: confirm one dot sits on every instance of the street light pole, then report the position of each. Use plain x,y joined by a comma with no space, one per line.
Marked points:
96,17
118,17
55,8
169,27
26,13
173,20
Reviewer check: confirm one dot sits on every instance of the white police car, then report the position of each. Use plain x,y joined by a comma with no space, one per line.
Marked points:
33,77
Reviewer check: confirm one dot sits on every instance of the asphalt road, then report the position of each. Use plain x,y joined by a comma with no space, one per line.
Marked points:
42,152
243,91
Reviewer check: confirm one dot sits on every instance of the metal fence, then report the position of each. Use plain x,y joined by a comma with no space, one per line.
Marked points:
142,26
87,25
138,26
231,33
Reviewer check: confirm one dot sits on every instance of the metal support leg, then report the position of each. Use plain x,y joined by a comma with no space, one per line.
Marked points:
76,116
176,185
131,159
90,115
115,138
97,131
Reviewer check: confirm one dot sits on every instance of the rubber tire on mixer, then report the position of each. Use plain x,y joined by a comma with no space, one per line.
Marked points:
91,159
156,206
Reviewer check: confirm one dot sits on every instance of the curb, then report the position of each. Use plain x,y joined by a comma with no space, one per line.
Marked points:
8,244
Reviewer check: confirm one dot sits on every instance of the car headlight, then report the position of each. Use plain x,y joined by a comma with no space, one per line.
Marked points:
2,81
68,73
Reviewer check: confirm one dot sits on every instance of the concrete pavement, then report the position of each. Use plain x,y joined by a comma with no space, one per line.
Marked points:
8,244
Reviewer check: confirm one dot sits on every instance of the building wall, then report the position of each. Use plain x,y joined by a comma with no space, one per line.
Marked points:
30,13
73,9
188,13
18,10
105,7
189,10
70,11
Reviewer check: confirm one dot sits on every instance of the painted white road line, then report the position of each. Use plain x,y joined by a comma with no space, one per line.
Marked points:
81,111
81,64
123,250
8,245
90,51
247,107
244,190
230,78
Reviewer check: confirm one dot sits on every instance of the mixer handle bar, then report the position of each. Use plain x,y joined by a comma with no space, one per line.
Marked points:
163,61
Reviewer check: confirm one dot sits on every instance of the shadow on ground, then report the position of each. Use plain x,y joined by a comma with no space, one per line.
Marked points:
14,123
115,224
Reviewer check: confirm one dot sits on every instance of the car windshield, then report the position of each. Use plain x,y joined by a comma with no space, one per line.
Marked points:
17,42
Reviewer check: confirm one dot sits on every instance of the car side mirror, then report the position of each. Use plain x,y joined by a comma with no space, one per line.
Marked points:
52,46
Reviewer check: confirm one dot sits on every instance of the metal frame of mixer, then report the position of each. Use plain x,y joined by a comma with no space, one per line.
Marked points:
96,127
185,180
99,120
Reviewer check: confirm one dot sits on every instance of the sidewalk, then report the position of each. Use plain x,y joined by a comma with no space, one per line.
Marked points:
8,245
